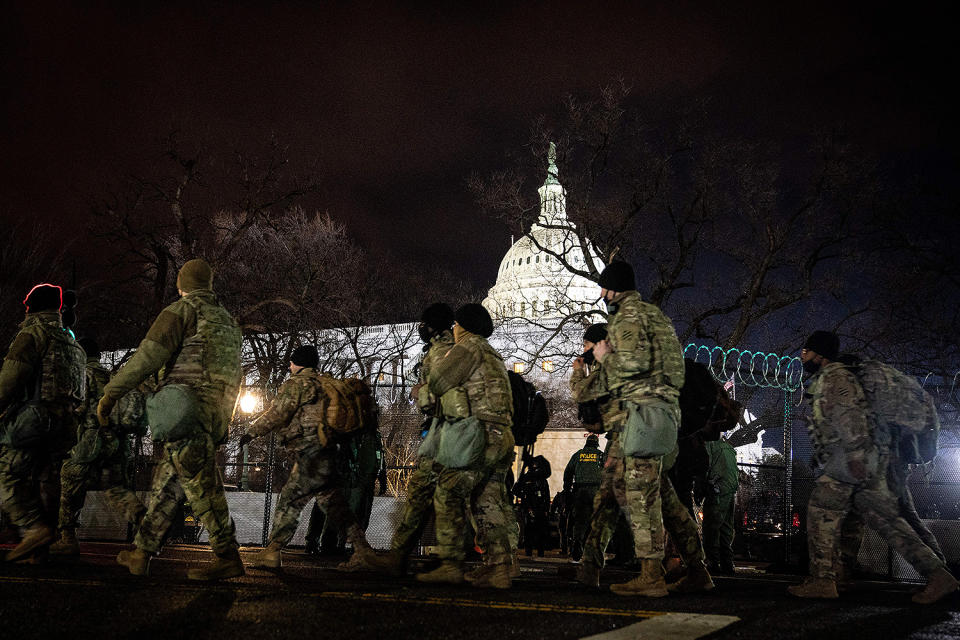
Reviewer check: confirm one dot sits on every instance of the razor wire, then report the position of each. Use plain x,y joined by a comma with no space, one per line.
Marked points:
750,368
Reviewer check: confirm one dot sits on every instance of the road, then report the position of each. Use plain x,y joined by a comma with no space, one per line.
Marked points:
91,596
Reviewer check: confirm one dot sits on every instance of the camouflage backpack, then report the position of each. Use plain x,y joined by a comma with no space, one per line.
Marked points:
63,377
347,407
900,406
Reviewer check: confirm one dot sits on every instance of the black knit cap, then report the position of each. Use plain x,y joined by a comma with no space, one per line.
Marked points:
305,356
824,343
595,332
475,319
618,276
438,316
90,346
593,440
44,297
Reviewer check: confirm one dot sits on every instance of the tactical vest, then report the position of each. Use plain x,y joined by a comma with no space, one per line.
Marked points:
822,431
487,391
666,355
63,369
209,362
589,467
96,379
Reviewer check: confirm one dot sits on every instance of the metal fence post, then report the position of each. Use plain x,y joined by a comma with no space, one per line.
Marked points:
268,496
787,475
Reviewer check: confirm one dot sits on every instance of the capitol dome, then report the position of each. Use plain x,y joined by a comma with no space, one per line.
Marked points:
532,283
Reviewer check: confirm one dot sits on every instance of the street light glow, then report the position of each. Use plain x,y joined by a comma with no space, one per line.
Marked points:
249,402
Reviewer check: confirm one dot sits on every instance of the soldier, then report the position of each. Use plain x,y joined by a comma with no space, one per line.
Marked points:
581,479
298,412
475,398
41,387
196,343
98,448
435,331
854,460
720,489
642,370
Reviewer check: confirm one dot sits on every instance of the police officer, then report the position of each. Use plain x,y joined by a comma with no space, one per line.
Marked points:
41,387
581,479
196,343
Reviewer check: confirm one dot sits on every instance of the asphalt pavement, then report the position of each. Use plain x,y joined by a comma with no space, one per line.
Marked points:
91,596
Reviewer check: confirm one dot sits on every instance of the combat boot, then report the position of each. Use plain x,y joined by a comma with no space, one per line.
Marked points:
588,574
67,545
496,577
268,558
363,558
812,587
136,560
228,565
393,563
940,584
37,536
446,573
477,573
697,580
514,566
649,583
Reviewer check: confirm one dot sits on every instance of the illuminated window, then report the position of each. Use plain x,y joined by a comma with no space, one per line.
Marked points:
518,367
548,365
380,378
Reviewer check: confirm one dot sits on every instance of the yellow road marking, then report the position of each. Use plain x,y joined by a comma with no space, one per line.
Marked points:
369,596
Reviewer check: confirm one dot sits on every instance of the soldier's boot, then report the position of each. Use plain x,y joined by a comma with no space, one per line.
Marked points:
588,574
36,537
475,574
269,558
940,584
496,577
697,580
446,573
363,558
67,545
649,583
136,560
228,565
514,566
392,563
811,587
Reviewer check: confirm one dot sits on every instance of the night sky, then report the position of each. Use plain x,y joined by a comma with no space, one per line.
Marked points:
393,106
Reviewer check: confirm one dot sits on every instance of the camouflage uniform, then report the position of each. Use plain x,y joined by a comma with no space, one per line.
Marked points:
296,413
646,364
98,449
721,489
855,460
473,368
423,480
195,342
43,357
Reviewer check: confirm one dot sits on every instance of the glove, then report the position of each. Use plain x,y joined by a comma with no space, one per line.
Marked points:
245,439
104,407
857,469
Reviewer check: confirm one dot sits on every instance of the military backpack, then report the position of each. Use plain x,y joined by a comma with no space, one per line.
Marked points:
900,406
347,406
